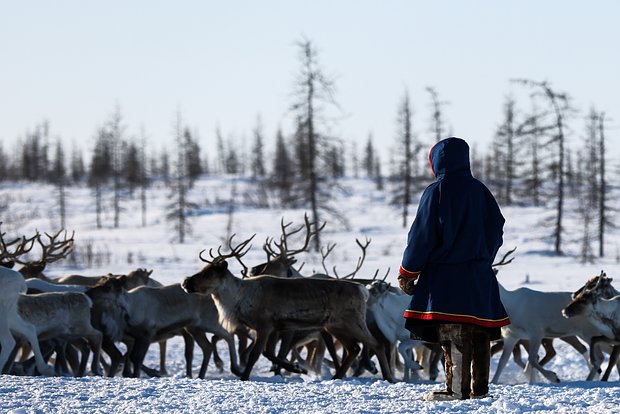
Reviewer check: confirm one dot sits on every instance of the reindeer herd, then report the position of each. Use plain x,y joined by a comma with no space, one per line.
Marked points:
316,323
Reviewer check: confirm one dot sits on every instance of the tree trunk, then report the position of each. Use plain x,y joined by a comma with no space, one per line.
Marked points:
602,188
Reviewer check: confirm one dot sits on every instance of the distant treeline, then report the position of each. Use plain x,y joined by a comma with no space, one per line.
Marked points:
528,161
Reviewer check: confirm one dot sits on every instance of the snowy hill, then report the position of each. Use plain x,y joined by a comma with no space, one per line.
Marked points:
26,207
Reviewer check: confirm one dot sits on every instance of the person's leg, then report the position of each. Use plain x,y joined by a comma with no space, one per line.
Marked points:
456,343
446,347
461,352
481,360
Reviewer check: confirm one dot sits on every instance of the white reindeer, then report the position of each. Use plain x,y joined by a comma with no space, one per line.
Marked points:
13,285
386,307
535,315
63,315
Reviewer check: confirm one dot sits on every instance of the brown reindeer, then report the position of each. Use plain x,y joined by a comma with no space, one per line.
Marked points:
135,278
599,302
280,261
267,304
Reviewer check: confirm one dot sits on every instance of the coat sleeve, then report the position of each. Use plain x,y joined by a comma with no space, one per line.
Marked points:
423,235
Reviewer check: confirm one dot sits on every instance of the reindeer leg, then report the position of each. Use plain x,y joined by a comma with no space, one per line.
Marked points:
7,343
255,352
578,345
163,344
281,362
405,346
140,347
127,363
516,352
547,344
216,355
364,363
189,352
434,361
205,346
331,348
234,360
94,338
533,363
596,357
613,359
509,344
115,355
28,331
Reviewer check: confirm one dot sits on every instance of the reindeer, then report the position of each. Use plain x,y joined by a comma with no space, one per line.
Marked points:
280,261
541,318
599,302
63,315
11,323
135,278
267,304
155,313
386,306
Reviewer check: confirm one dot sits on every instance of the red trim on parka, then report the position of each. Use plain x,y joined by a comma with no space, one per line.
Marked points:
450,317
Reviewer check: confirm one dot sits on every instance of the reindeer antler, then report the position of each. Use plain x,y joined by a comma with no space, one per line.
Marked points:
384,277
325,251
55,249
235,251
312,229
24,245
360,260
503,262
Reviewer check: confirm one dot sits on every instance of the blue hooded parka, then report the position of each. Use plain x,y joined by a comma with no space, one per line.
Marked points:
451,245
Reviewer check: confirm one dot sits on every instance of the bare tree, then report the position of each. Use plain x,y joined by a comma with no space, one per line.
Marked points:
406,149
369,157
116,131
258,154
586,206
4,167
143,174
507,145
193,163
603,219
100,167
559,103
179,210
283,170
313,89
78,170
58,176
437,116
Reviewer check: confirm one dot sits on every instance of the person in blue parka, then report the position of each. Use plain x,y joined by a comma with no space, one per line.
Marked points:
446,267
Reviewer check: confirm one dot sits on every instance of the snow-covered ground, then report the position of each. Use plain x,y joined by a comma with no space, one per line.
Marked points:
24,208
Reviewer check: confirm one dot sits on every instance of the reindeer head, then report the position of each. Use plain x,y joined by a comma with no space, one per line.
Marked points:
109,286
585,298
600,282
109,313
52,250
216,270
138,277
277,266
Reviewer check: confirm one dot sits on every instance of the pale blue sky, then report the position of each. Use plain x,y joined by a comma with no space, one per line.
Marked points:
226,62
